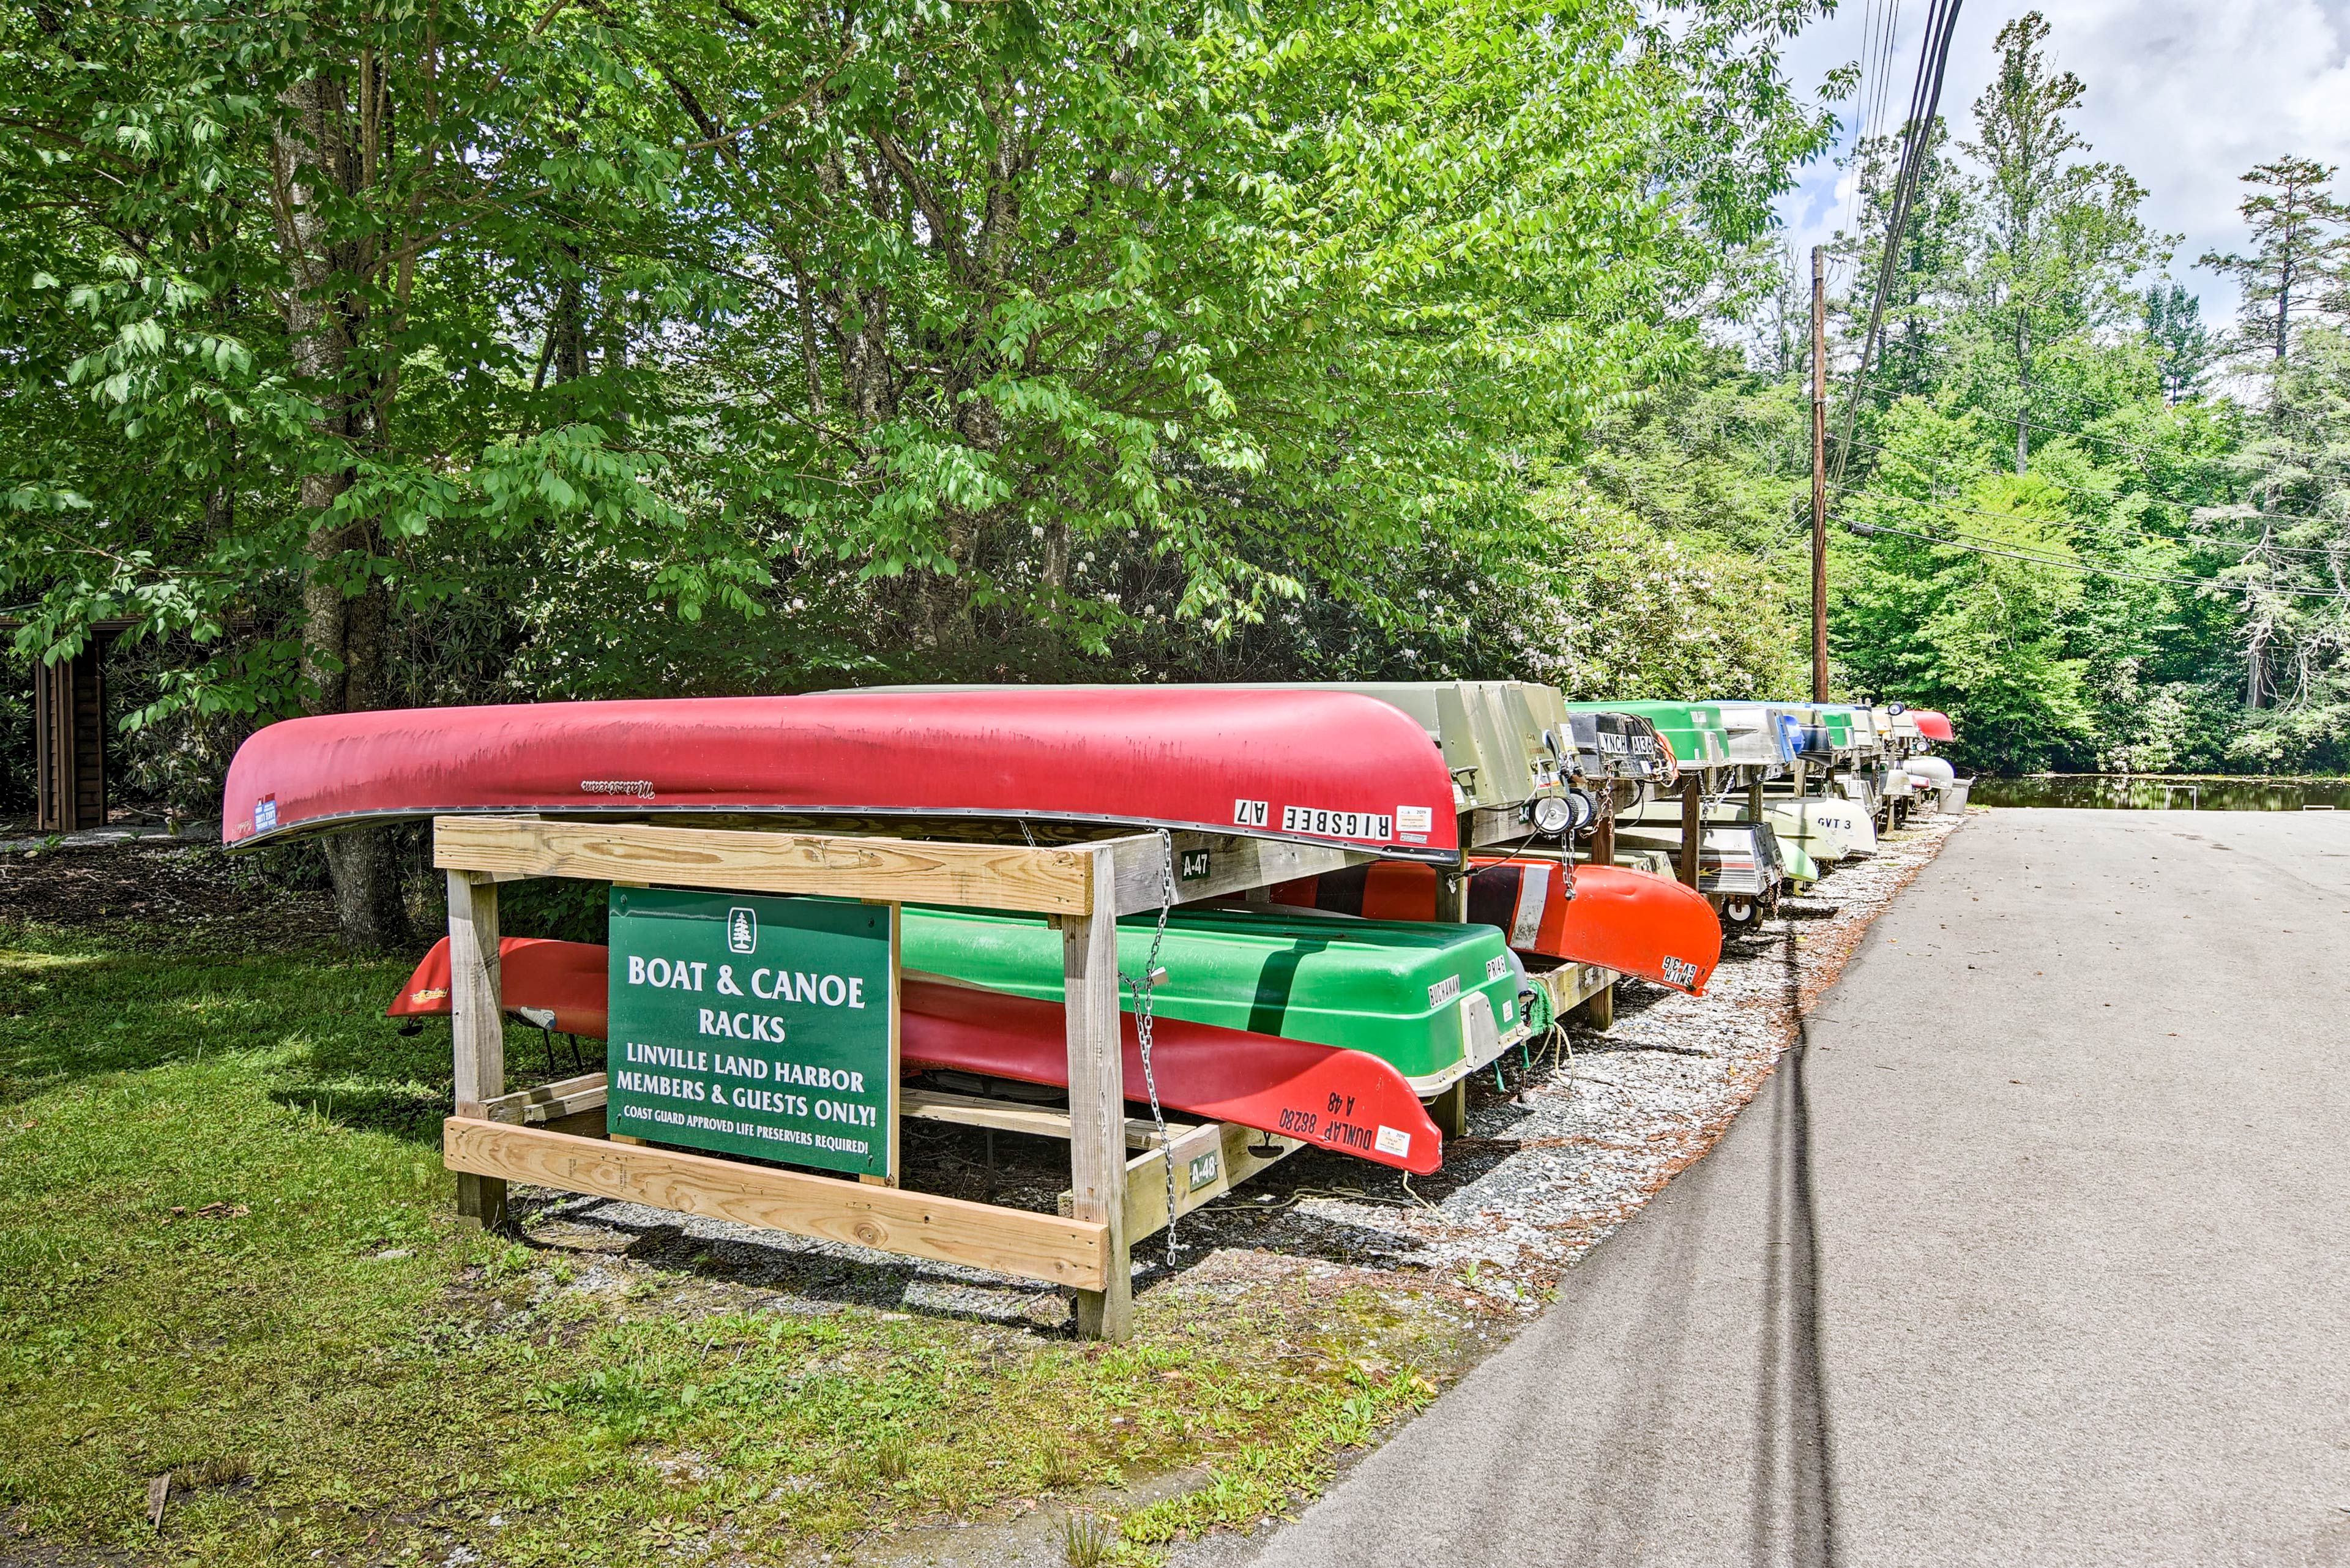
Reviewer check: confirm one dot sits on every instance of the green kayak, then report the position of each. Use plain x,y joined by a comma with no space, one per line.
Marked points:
1434,1002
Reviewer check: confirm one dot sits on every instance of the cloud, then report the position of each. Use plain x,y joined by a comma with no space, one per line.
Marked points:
2184,94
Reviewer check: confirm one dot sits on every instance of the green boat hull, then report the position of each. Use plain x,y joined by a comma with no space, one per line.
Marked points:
1432,1001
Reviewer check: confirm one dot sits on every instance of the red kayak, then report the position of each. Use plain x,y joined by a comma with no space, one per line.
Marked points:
567,979
1347,1101
1624,921
1933,723
1325,766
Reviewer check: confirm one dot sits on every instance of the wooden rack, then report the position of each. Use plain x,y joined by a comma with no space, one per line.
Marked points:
551,1136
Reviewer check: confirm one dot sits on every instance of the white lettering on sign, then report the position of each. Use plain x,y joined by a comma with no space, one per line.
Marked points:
1371,825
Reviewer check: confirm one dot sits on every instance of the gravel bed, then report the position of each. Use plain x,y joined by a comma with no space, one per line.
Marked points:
1580,1135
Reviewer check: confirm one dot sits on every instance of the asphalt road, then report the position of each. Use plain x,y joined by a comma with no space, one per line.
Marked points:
2037,1253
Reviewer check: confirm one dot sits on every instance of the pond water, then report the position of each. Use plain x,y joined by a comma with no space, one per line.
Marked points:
2109,792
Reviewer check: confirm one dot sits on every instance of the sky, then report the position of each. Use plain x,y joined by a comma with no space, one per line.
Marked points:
2184,94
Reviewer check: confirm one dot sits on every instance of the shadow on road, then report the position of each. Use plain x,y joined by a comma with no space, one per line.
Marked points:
1794,1500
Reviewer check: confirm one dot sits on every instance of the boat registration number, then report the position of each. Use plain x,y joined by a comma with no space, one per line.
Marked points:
1323,824
1678,971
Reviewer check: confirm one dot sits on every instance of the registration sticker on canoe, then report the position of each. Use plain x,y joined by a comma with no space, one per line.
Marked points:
1370,824
1444,991
1416,818
264,815
1394,1141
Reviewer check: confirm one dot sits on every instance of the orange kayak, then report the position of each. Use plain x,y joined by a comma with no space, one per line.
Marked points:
1625,920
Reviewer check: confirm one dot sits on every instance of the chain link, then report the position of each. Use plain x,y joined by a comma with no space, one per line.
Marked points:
1142,989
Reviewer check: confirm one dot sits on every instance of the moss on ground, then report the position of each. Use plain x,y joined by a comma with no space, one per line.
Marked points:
229,1256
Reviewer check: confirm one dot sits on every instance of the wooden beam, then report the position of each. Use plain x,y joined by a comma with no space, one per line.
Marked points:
1011,1116
1052,881
1046,1247
547,1102
477,1029
1146,1180
1097,1096
1218,866
1692,830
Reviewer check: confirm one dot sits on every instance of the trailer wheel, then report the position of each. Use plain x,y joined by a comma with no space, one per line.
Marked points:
1740,914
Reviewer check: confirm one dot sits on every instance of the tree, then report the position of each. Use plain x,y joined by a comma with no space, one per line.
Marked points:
2291,564
2298,238
2059,239
1959,592
2182,349
483,351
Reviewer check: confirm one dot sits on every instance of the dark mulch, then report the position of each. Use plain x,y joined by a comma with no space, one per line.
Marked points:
167,888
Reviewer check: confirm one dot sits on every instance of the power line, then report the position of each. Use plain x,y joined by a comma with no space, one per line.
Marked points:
2137,533
1940,469
1918,134
1963,542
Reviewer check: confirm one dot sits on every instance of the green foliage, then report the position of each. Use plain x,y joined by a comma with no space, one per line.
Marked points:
427,354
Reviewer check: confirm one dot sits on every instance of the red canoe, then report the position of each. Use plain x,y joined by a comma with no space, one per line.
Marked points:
1326,766
1932,724
1347,1101
1629,921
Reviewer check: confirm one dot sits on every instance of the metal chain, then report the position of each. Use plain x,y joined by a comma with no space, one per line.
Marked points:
1142,988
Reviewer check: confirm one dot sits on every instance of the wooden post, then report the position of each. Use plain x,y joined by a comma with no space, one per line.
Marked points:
477,1027
1097,1096
70,742
1453,883
1603,834
1692,827
1450,1109
1820,472
1754,797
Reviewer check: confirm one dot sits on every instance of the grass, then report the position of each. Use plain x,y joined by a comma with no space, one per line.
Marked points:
229,1256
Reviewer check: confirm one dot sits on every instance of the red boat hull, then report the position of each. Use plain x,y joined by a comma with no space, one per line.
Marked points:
1343,1100
1932,724
1624,921
1321,766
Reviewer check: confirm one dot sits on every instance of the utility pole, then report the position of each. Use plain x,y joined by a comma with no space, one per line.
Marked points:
1819,473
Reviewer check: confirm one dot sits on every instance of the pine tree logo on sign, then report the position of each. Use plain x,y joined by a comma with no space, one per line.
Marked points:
742,930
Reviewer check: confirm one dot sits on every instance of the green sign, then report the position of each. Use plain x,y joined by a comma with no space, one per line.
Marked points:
756,1026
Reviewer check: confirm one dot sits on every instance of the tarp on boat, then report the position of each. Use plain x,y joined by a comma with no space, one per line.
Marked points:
1322,766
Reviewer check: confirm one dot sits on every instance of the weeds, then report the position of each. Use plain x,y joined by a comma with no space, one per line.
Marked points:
1087,1539
1059,1468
